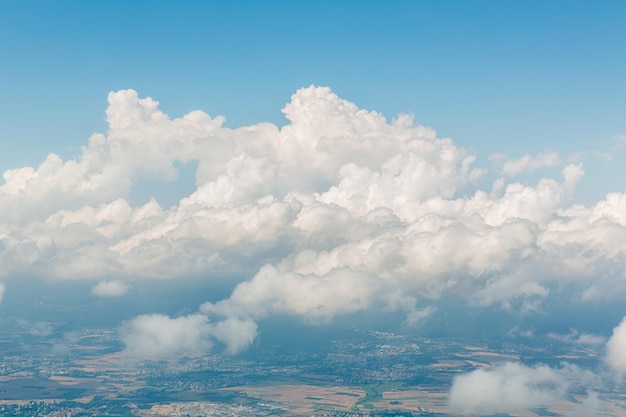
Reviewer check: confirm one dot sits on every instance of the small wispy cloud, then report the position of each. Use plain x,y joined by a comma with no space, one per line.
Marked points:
110,289
526,163
577,338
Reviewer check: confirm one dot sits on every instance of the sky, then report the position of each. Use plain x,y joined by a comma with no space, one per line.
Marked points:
497,77
322,160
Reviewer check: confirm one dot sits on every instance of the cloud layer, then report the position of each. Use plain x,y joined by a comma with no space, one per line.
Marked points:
337,212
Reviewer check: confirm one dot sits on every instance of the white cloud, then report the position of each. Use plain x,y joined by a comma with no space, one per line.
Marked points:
527,163
337,212
157,336
586,246
616,349
315,297
417,317
578,338
110,289
588,407
507,388
236,334
142,144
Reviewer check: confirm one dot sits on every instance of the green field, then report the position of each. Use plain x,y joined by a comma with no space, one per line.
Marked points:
374,392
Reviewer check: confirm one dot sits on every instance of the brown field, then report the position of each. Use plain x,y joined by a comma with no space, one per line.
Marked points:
446,364
66,380
305,399
488,355
309,399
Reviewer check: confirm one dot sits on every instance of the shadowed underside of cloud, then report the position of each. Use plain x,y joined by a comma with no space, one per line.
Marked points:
337,212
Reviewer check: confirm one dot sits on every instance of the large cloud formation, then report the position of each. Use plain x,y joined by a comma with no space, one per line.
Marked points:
338,211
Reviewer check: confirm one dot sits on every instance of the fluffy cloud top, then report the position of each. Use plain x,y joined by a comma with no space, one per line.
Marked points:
337,212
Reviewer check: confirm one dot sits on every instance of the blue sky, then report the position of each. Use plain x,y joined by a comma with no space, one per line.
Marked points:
496,76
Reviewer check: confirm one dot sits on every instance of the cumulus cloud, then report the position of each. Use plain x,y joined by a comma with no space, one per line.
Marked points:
616,349
511,387
316,297
157,336
235,334
110,288
337,212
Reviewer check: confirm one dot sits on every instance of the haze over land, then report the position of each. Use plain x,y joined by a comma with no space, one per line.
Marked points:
192,235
